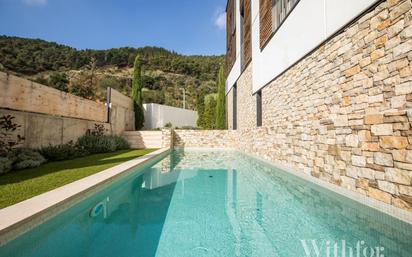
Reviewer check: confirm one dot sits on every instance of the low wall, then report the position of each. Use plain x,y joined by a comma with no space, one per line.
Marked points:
157,116
182,138
50,117
204,138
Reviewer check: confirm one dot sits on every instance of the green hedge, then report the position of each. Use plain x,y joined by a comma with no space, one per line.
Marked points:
22,158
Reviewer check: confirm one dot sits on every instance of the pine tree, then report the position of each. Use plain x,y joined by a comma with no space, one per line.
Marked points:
86,85
137,94
220,108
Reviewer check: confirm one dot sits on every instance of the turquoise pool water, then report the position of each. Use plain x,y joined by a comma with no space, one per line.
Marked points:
214,203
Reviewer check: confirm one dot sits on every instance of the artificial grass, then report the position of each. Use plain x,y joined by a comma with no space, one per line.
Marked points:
24,184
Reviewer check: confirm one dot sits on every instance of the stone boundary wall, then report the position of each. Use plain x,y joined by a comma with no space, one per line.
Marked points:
344,113
204,138
24,95
167,138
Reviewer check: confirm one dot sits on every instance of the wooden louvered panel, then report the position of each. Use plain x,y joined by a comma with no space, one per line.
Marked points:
247,32
230,36
265,12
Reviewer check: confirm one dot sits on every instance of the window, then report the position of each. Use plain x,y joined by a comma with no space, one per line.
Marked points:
234,107
272,14
259,108
280,10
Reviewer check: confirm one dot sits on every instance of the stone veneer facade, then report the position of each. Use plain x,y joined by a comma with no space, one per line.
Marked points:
342,114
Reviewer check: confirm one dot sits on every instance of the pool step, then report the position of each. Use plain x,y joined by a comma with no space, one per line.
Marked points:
144,139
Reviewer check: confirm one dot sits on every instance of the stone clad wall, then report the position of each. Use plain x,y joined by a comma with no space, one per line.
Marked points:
343,113
246,102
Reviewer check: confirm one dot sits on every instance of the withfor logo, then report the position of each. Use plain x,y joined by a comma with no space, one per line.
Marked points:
340,249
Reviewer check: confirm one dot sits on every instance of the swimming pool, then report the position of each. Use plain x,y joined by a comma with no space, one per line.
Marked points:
214,203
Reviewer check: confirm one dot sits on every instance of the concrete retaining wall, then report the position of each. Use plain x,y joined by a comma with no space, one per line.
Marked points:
121,112
43,130
50,117
24,95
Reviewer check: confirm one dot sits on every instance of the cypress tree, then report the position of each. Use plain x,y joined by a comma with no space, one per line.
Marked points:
201,110
210,112
220,108
137,94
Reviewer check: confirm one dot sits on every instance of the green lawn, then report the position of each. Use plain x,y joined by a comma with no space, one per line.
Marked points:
21,185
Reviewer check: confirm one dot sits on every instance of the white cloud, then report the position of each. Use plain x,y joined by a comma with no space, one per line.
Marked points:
220,18
35,2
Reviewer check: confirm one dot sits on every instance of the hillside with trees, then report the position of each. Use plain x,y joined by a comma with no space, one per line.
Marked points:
88,73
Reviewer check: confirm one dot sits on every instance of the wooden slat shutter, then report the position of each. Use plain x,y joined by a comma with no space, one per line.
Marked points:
247,35
230,37
265,12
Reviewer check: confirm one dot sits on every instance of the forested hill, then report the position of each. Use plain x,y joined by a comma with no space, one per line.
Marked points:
88,73
31,56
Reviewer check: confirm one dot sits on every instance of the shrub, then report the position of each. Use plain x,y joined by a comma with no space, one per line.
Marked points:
98,130
188,128
59,81
62,152
97,144
25,158
7,139
102,144
121,143
5,165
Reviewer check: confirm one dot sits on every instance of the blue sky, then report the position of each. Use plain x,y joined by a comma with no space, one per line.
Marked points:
186,26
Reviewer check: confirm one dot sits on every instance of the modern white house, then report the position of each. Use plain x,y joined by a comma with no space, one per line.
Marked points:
325,87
